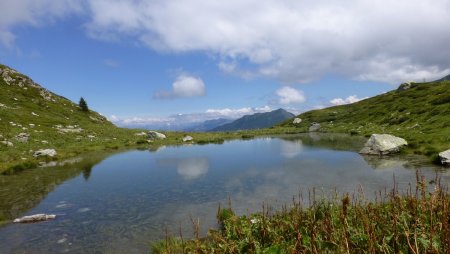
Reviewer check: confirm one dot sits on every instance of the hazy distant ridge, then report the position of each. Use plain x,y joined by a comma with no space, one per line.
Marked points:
256,121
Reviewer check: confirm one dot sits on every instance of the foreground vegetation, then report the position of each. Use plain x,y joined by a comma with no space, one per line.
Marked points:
420,114
414,222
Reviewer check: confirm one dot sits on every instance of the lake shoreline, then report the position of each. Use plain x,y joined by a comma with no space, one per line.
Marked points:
131,141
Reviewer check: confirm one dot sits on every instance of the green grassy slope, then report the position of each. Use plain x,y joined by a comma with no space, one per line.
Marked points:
26,107
420,114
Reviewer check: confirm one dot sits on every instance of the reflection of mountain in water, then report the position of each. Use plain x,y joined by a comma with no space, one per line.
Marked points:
334,141
23,191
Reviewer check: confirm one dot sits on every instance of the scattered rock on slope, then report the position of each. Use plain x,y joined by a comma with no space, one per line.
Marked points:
314,127
45,152
297,120
23,137
7,143
382,144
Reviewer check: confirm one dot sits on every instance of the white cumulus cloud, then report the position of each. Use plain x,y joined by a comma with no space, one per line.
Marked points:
348,100
236,113
289,95
184,86
292,41
33,13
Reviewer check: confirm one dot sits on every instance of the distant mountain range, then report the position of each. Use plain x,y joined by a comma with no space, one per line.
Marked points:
256,121
443,79
209,125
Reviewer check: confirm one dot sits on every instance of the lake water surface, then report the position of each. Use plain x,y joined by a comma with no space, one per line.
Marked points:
121,203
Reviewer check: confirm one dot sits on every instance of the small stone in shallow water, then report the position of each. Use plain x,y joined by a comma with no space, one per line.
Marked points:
35,218
83,210
62,240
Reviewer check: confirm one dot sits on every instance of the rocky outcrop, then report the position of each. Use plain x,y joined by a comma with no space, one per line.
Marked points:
152,135
314,127
404,86
45,152
187,138
382,144
12,77
35,218
445,157
297,120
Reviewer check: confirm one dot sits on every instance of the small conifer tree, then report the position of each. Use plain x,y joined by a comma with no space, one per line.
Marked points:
83,105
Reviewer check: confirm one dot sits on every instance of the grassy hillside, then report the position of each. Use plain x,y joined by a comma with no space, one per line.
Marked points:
256,121
51,121
420,114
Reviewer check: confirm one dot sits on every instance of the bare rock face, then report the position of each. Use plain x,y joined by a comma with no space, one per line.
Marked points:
35,218
445,157
155,135
383,144
45,152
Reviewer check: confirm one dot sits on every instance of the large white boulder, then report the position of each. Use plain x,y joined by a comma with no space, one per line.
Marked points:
45,152
297,120
187,138
445,157
382,144
155,135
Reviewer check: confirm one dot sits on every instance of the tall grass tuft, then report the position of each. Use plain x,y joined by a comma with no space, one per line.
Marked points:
417,221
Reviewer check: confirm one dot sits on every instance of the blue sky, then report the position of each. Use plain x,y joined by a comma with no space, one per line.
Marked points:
145,62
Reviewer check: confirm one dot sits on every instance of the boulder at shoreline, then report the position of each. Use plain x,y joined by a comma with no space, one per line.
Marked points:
383,144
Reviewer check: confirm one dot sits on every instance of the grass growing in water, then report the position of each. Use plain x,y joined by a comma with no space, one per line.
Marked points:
415,222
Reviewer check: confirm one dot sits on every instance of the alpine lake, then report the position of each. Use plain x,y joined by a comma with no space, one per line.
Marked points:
122,202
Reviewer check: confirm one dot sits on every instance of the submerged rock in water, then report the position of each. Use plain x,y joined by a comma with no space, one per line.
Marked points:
382,144
35,218
445,157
